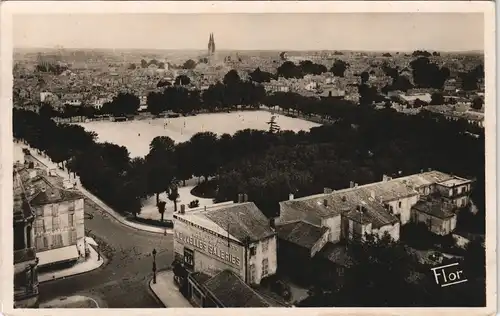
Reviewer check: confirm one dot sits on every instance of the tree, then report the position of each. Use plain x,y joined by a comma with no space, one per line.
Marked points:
437,99
339,67
231,78
173,195
144,63
289,70
205,145
260,76
364,77
477,103
475,259
182,80
46,110
163,83
273,126
155,103
427,74
161,208
160,165
124,103
132,66
189,64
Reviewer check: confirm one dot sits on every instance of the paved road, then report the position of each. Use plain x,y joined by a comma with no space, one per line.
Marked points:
124,281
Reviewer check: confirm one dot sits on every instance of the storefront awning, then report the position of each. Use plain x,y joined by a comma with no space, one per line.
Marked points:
57,255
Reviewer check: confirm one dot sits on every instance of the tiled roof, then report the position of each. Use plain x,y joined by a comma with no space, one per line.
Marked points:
372,196
242,220
301,233
434,208
335,253
231,291
41,189
200,277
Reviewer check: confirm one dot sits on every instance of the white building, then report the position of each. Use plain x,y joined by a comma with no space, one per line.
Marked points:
235,237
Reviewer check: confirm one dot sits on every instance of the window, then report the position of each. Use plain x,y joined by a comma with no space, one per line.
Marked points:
265,267
399,204
39,227
252,273
28,237
57,241
460,190
71,220
55,211
71,207
55,223
39,243
265,245
39,211
253,251
45,242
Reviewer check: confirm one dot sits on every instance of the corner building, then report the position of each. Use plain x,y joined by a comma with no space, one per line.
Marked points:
228,236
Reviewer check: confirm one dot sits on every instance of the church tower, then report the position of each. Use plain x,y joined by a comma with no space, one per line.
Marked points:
211,45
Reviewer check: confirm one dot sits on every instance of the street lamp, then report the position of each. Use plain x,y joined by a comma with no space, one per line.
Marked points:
154,266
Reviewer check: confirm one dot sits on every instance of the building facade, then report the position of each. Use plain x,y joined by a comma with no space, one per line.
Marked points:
235,237
58,226
378,208
25,260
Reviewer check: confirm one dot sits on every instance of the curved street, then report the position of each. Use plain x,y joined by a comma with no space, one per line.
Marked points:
124,281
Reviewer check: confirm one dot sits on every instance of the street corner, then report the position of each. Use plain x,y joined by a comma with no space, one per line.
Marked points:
92,262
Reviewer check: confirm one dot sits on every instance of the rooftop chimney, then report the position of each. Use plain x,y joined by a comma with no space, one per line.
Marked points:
205,208
351,184
43,190
183,209
245,197
290,196
429,169
240,198
355,185
327,191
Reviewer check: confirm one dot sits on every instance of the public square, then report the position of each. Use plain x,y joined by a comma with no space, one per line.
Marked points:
136,135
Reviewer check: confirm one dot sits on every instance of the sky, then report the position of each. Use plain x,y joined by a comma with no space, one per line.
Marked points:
297,31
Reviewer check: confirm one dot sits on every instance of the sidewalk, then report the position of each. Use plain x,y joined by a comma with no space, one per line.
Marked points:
76,301
167,291
64,174
90,263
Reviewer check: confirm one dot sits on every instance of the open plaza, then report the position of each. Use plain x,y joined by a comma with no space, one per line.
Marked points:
136,135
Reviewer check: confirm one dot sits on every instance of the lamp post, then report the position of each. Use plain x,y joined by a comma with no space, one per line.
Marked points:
154,266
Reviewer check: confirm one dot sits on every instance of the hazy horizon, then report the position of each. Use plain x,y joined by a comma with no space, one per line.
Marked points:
370,32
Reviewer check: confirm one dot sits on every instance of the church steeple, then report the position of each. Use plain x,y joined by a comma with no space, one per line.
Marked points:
211,44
